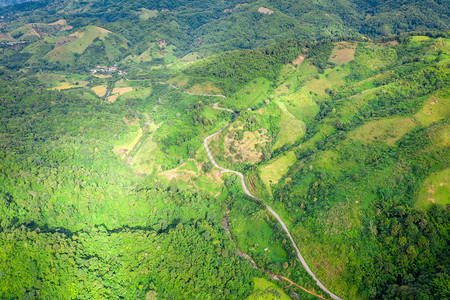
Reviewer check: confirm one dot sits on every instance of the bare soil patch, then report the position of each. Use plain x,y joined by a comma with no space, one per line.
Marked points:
343,52
393,43
299,60
249,149
265,11
129,122
204,88
121,152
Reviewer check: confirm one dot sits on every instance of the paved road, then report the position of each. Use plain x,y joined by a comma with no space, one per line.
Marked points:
244,187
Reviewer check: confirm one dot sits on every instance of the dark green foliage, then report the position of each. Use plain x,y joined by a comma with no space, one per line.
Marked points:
396,250
88,229
411,259
216,26
231,70
319,54
179,263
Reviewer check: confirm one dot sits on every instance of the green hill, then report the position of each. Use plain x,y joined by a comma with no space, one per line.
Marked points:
217,26
346,139
89,40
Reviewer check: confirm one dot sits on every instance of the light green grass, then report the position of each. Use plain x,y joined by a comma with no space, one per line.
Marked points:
253,234
327,160
301,106
51,79
145,56
149,158
326,262
270,174
440,136
145,14
353,105
250,95
332,78
85,37
374,56
291,129
324,131
266,290
130,139
435,109
419,38
435,189
386,130
209,183
88,35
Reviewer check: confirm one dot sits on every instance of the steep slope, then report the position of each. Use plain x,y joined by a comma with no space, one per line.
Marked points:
355,183
89,40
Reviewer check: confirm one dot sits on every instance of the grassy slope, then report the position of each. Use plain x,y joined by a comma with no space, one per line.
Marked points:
342,218
302,93
83,39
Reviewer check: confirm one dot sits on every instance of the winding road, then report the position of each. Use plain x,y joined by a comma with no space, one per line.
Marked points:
244,187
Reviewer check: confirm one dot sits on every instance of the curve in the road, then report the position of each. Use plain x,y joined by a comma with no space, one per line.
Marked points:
244,187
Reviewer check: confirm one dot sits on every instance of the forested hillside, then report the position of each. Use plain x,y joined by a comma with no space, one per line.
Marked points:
215,26
340,125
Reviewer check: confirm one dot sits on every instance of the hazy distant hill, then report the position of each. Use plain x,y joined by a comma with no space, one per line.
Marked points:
11,2
213,26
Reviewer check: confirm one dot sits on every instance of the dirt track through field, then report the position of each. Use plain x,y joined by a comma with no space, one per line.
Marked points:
244,187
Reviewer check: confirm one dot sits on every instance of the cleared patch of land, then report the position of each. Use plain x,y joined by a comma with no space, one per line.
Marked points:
145,14
116,92
435,189
99,90
326,160
179,81
331,78
272,173
435,109
440,136
63,86
190,173
126,143
325,263
102,76
204,88
78,42
387,130
291,129
342,53
266,290
374,56
299,60
149,158
141,93
265,11
249,148
252,94
301,105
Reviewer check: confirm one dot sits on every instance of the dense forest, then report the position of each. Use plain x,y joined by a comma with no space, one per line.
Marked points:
342,121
